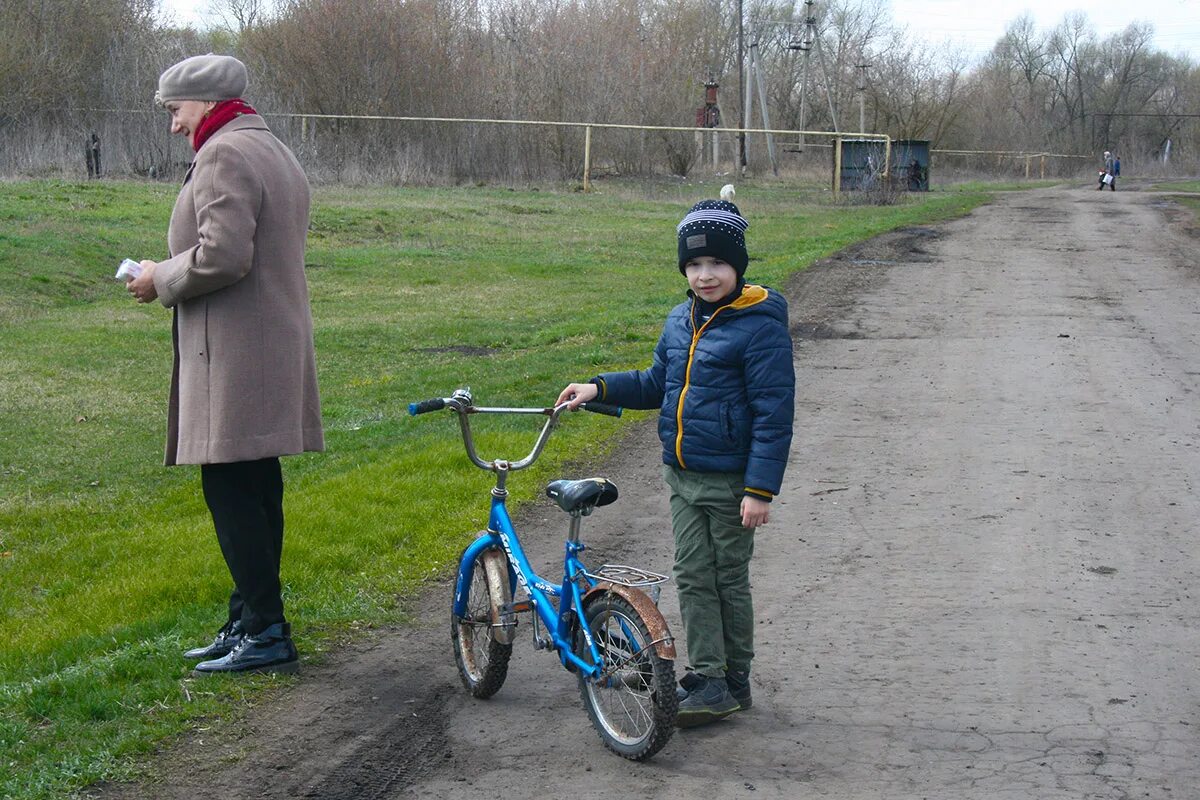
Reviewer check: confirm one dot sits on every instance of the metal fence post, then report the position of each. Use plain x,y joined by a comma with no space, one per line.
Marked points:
587,158
837,166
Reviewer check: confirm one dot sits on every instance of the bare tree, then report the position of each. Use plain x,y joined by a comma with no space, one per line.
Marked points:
919,95
625,61
238,16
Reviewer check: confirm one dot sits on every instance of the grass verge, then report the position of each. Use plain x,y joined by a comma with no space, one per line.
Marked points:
108,566
1192,203
972,187
1178,186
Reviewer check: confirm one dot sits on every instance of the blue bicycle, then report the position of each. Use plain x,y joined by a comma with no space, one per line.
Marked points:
600,622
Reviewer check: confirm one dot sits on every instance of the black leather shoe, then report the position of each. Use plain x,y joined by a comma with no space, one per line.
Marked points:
227,638
269,651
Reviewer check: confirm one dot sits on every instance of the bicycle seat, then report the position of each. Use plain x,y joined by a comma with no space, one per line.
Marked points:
582,495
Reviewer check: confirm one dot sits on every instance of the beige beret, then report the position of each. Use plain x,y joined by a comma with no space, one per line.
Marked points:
207,77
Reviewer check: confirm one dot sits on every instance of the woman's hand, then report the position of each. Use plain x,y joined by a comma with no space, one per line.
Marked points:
577,394
755,512
142,287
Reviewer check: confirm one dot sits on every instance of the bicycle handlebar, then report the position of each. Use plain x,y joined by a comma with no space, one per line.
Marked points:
463,405
436,404
602,408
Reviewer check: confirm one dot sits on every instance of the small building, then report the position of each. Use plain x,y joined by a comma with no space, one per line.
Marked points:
862,164
858,164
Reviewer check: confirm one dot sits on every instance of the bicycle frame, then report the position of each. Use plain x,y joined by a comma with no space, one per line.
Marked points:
604,627
542,594
501,533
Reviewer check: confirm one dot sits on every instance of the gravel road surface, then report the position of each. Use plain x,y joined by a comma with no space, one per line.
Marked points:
980,580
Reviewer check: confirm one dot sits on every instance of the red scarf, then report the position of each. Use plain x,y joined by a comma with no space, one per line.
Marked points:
221,113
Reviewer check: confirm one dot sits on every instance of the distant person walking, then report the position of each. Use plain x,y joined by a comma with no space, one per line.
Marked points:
244,383
916,176
92,155
1107,177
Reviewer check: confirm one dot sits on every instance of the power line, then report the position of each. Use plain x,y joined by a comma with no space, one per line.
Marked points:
1122,114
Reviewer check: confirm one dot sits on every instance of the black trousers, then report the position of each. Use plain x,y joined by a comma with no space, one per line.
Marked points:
246,502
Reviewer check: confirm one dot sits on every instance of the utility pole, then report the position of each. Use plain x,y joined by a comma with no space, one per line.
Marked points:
756,78
741,166
862,94
806,42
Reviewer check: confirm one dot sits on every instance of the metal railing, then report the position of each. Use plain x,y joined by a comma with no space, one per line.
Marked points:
587,128
306,119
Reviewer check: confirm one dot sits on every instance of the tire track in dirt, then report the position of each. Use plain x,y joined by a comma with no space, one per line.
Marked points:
385,761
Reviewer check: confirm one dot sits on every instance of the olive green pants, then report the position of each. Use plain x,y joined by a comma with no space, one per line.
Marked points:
712,569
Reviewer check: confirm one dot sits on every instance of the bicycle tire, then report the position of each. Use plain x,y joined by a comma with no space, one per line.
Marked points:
633,710
482,660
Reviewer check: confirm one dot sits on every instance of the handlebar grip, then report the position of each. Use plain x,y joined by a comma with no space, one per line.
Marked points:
436,404
602,408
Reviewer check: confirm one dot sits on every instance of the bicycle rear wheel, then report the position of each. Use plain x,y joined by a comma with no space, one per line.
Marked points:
633,704
483,659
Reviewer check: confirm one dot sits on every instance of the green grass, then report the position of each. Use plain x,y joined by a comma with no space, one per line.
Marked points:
1190,202
972,187
108,566
1178,186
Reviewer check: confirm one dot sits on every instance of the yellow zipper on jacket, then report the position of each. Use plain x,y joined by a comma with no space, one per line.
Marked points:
744,301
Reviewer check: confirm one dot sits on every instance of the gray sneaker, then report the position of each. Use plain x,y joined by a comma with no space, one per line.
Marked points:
739,687
690,681
708,702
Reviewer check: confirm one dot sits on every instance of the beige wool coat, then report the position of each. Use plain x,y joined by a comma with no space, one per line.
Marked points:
244,383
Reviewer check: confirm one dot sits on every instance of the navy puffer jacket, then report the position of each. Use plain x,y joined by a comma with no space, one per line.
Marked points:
726,388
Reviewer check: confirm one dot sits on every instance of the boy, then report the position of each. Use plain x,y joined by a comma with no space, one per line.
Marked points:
722,376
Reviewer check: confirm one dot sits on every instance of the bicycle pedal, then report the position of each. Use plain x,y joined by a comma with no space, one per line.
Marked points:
520,607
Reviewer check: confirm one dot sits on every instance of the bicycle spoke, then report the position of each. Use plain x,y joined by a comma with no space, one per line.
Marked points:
633,711
626,697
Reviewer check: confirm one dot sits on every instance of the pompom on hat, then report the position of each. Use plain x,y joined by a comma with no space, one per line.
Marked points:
207,77
714,228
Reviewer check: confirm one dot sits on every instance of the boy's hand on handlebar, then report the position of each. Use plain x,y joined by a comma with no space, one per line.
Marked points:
577,394
755,512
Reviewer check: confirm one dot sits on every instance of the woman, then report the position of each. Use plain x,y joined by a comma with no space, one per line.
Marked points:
244,383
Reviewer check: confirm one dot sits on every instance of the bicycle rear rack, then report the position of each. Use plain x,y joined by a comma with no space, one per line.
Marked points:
626,576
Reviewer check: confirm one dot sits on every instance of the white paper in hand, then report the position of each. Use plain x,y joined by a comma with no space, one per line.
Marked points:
128,270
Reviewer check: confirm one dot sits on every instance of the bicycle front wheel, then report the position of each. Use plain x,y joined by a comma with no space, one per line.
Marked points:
632,704
482,659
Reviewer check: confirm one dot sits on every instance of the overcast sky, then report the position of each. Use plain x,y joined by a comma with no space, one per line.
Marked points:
1176,22
977,25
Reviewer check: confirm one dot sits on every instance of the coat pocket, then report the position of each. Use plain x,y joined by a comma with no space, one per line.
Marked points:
728,427
202,343
735,425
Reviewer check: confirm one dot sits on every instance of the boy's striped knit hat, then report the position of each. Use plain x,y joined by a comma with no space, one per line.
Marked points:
714,228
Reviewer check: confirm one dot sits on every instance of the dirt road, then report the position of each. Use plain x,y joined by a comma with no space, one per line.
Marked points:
980,581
